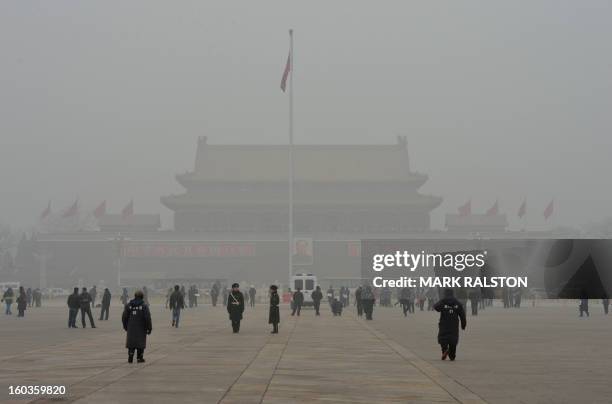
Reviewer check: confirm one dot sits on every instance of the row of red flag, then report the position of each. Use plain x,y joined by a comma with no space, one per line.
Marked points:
466,209
98,212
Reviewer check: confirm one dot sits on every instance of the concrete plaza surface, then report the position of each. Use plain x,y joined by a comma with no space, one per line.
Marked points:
530,355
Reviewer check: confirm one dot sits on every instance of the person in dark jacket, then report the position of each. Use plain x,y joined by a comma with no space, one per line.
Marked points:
7,298
367,301
317,296
474,296
235,307
274,317
176,304
106,300
358,301
22,302
451,312
29,296
214,294
337,307
136,320
252,293
93,292
85,302
298,301
584,303
74,303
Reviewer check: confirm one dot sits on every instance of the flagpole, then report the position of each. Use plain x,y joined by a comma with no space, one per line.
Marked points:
291,155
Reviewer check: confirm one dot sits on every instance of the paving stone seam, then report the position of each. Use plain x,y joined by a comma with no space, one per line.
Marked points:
269,341
181,347
460,392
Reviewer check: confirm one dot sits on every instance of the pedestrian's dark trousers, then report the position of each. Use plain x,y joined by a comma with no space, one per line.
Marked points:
236,325
450,348
405,308
474,305
298,308
317,306
104,313
139,353
359,309
88,312
252,300
72,315
606,308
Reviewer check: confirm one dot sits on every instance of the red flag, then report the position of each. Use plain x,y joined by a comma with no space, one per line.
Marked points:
128,210
283,84
522,209
72,210
46,212
100,210
493,210
549,210
466,209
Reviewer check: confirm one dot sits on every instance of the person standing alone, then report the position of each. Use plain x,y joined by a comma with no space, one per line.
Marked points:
298,301
136,320
106,300
74,303
235,307
274,317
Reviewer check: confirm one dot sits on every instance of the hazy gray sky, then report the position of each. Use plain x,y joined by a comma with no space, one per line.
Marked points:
105,99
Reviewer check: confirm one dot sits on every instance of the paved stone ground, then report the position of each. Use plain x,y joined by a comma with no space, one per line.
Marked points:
532,355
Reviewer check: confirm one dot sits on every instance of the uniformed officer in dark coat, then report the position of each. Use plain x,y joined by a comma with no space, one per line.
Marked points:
317,296
105,306
274,317
85,301
451,312
235,307
298,301
136,320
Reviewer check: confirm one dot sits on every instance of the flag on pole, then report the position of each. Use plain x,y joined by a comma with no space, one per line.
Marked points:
549,210
72,210
100,210
45,213
465,209
522,209
128,210
493,210
283,84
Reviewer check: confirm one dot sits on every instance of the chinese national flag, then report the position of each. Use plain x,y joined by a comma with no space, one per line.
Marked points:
466,209
72,210
128,210
522,209
46,212
100,210
549,210
493,210
283,84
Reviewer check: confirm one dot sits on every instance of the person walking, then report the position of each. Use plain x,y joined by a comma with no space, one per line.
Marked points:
176,304
451,313
252,293
136,321
367,301
317,296
298,301
22,302
7,298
